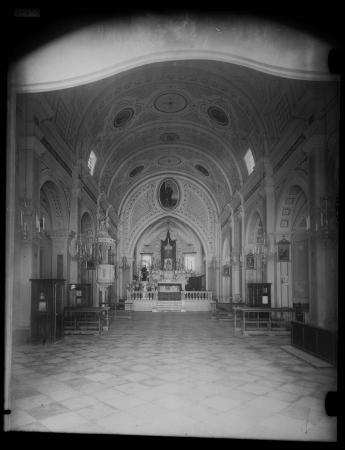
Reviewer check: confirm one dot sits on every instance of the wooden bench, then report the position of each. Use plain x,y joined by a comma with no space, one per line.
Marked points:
226,311
117,310
275,321
85,320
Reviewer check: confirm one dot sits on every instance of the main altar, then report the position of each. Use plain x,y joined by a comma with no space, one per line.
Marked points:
164,279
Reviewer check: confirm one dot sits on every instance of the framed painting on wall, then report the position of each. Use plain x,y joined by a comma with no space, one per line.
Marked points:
169,194
226,271
250,261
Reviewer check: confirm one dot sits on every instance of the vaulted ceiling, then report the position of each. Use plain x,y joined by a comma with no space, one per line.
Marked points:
196,118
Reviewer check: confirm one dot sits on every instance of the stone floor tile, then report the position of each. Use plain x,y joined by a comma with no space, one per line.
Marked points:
50,410
199,360
20,418
97,411
173,402
33,427
64,422
220,403
82,401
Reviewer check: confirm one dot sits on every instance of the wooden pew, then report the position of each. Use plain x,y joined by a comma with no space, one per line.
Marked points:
85,320
117,310
226,311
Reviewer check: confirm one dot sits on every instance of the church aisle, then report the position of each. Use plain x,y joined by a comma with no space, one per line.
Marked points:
171,374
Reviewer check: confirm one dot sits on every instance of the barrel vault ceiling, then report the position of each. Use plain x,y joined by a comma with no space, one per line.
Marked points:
193,118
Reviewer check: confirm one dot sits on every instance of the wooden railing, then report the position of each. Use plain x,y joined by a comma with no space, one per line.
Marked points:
267,318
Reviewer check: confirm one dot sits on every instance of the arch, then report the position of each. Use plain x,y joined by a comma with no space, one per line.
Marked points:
137,234
226,248
252,226
91,218
172,174
285,208
64,62
56,200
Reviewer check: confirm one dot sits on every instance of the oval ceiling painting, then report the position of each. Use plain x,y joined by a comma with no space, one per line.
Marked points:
218,116
123,117
136,171
169,194
202,170
168,137
170,103
169,161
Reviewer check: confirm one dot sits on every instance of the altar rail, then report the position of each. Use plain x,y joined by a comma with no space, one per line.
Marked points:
142,295
196,295
185,295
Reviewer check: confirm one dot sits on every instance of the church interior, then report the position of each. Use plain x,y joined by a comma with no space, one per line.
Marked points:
182,180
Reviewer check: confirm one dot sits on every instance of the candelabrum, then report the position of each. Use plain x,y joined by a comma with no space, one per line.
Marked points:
30,233
326,219
234,259
261,251
95,251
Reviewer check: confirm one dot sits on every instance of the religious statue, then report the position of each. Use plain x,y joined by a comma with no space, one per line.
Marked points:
167,196
144,273
168,264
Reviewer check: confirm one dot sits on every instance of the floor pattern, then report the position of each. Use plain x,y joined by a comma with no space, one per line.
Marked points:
171,374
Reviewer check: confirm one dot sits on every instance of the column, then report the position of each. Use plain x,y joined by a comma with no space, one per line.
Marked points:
31,152
319,286
241,216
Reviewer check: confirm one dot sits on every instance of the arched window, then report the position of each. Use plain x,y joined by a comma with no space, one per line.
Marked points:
92,161
249,160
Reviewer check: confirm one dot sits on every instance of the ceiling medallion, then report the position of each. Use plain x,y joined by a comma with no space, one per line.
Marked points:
169,161
202,170
136,171
169,137
218,116
123,117
170,103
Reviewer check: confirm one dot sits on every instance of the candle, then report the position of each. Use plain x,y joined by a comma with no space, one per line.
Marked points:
37,222
308,222
43,222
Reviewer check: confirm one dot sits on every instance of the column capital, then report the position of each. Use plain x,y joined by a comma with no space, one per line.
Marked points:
32,143
316,141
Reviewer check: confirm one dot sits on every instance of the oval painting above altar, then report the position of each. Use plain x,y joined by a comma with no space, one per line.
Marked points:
169,194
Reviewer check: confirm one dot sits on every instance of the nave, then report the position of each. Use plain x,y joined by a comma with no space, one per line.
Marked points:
171,375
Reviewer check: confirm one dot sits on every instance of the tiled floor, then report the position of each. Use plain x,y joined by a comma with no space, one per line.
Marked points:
171,374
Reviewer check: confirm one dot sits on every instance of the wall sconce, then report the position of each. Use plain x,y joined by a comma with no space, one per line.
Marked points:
214,264
124,263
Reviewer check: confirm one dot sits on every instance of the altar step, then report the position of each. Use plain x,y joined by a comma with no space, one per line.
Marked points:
169,306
